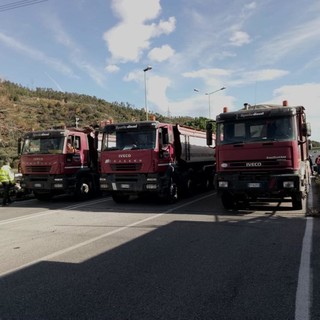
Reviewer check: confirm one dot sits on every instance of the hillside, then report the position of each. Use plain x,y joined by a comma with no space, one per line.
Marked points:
23,109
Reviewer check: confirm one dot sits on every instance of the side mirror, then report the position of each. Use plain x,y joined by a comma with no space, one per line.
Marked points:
306,129
209,131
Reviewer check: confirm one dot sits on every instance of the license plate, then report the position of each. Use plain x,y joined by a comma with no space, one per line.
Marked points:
37,185
125,186
254,185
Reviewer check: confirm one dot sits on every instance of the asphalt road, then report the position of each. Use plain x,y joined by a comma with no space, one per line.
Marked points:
140,260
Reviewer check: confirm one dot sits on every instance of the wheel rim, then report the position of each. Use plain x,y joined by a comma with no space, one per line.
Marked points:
173,191
85,189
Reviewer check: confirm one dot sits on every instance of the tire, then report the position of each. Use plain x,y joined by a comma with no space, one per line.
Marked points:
228,201
297,202
190,189
172,192
84,189
187,186
120,198
208,183
43,196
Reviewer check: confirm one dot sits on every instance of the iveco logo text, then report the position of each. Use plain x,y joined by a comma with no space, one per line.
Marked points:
253,164
126,155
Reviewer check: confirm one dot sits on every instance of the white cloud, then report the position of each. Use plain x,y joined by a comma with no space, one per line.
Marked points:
136,75
306,95
215,77
239,38
136,11
206,73
314,63
157,87
165,27
242,78
124,48
158,100
198,105
226,54
161,54
195,105
132,36
251,5
112,68
240,18
299,38
266,74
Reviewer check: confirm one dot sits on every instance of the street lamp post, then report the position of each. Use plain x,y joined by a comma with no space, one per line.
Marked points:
145,90
209,94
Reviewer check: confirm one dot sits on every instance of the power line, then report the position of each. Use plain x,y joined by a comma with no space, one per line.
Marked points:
19,4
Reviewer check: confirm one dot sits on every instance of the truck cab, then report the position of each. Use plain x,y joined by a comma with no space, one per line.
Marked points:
262,152
153,158
59,161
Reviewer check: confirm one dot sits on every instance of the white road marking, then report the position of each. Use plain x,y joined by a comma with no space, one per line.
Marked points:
48,212
105,235
304,294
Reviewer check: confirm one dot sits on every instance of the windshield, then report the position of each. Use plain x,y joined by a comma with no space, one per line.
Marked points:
43,145
128,140
253,130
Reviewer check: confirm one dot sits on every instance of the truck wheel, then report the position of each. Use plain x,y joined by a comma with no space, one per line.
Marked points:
228,201
83,189
120,198
43,196
296,202
172,192
208,183
187,187
190,187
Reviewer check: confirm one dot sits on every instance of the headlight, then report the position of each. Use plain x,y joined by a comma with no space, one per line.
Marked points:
151,186
223,184
288,184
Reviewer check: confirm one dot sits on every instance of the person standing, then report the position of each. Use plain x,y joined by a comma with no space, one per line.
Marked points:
7,180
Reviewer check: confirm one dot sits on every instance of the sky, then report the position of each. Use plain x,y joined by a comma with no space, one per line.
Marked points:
260,51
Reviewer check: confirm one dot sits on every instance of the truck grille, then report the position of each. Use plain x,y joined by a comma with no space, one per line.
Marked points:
253,177
126,167
35,169
127,178
262,164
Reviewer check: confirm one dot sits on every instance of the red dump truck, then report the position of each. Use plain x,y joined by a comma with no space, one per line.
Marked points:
153,158
262,152
59,161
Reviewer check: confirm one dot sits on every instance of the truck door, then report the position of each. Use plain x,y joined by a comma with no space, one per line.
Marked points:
74,152
165,138
164,145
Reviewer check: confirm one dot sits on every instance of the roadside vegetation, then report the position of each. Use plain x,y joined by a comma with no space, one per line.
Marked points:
23,109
